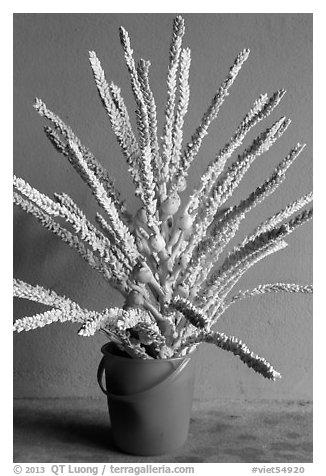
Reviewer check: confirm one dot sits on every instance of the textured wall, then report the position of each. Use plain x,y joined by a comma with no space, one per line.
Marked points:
51,62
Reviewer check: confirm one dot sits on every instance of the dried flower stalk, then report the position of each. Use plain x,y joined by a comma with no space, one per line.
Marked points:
237,347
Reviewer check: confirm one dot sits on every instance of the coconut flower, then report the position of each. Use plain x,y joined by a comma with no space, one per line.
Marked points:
165,260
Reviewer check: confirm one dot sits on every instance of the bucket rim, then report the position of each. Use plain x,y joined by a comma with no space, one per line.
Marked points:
105,349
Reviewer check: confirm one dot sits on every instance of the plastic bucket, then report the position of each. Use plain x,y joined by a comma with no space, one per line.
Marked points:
149,401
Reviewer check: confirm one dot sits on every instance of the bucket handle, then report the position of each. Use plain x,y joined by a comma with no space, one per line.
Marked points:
100,373
173,375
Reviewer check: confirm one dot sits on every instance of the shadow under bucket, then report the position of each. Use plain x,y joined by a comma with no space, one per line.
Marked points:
149,401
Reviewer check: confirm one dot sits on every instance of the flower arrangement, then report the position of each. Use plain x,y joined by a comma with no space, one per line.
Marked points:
165,259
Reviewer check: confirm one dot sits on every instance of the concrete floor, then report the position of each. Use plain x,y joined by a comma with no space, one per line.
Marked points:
78,431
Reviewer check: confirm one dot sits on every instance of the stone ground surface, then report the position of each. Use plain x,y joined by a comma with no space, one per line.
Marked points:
78,431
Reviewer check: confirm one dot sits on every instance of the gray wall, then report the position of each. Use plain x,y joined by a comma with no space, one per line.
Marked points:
51,62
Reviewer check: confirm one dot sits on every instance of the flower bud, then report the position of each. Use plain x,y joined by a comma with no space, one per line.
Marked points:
170,205
141,216
143,275
185,221
156,242
134,299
